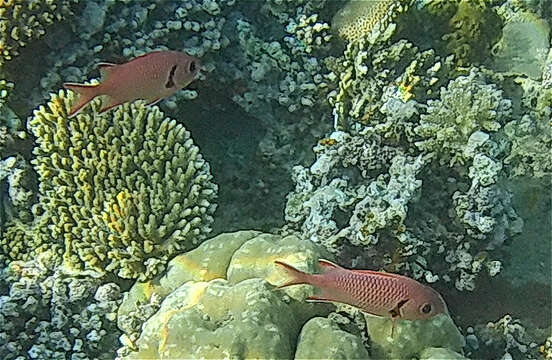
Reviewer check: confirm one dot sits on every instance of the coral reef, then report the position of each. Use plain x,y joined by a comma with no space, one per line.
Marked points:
437,167
11,132
120,192
22,21
397,102
237,313
270,65
507,338
474,29
45,314
530,133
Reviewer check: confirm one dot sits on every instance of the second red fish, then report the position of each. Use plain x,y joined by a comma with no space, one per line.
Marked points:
377,293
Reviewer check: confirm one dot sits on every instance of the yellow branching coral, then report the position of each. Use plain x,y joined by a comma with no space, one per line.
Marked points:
24,20
120,192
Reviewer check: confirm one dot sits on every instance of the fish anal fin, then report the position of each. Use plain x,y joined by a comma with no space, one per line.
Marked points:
326,265
110,103
324,294
106,69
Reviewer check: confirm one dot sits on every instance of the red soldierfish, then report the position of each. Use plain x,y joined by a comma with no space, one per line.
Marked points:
151,77
377,293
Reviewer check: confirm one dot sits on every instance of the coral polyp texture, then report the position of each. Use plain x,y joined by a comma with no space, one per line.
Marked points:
120,192
21,21
358,18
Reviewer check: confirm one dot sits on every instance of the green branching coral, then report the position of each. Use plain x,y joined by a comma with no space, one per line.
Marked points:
475,28
24,20
120,192
468,106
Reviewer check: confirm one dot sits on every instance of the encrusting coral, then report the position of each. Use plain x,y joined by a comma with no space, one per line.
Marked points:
120,192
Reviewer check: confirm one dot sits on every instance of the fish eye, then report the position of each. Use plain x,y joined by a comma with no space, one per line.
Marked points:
426,308
192,66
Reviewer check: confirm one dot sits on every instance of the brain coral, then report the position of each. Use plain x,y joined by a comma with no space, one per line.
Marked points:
24,20
120,192
359,17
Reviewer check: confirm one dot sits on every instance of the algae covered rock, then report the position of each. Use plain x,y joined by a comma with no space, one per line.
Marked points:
256,257
321,338
436,353
120,192
207,262
411,337
235,257
218,320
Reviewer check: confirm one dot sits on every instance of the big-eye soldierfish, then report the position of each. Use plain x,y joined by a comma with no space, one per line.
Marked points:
150,77
377,293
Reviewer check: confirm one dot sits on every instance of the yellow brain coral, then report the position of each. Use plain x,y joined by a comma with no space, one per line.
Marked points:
122,192
359,17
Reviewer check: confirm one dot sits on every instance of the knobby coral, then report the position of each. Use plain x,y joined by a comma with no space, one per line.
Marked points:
45,314
119,192
23,20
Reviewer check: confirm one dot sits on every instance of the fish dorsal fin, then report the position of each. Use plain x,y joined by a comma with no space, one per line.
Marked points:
327,266
106,69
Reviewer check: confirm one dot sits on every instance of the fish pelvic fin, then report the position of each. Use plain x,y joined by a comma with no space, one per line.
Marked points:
86,92
296,276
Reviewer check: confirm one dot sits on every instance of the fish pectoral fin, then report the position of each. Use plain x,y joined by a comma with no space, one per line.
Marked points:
106,69
396,311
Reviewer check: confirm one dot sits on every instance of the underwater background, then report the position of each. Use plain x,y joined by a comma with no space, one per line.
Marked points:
407,136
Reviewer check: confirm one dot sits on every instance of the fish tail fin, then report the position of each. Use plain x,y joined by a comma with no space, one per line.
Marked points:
86,92
296,276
